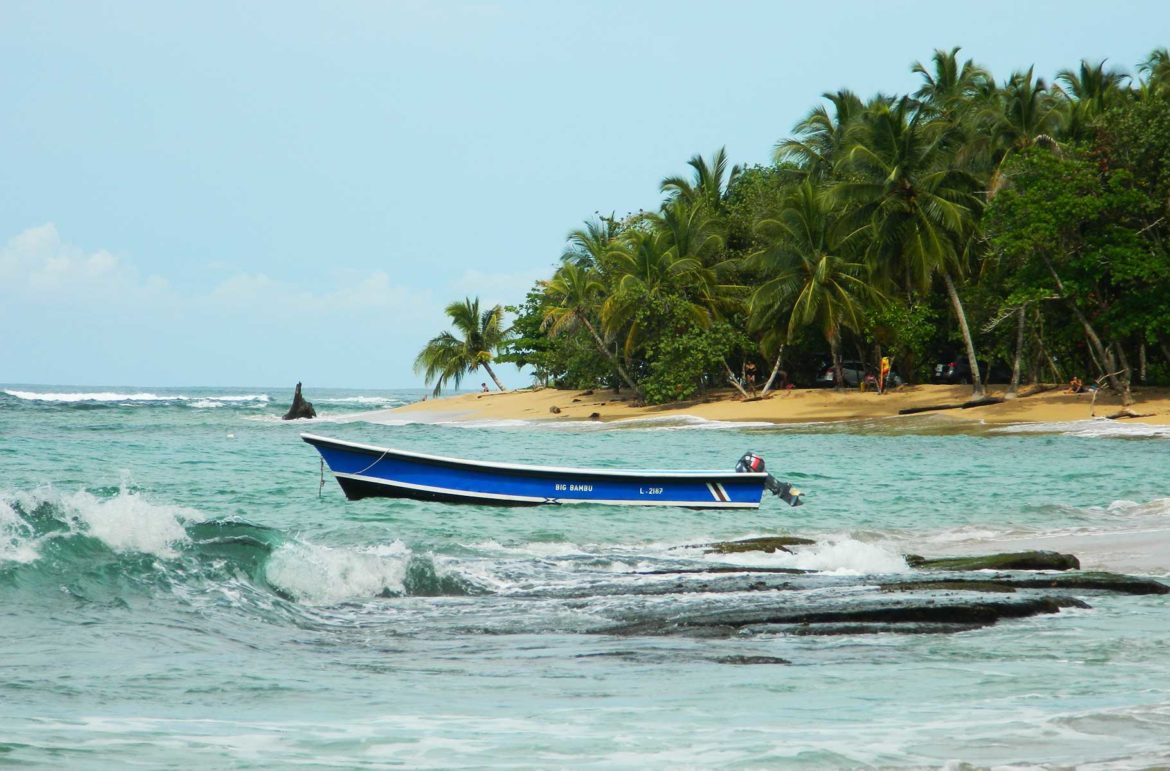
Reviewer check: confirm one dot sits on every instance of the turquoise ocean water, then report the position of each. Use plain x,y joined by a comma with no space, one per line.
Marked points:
176,590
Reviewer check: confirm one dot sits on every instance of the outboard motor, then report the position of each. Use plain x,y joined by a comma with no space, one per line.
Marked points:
752,462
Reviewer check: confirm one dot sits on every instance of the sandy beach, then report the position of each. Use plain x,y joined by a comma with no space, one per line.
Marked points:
794,406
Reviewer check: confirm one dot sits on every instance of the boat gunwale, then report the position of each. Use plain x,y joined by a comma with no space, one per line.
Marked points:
371,449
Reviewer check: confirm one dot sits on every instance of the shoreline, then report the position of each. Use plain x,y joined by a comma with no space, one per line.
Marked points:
794,406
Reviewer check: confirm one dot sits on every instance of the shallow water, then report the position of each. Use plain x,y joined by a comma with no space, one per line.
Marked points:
177,589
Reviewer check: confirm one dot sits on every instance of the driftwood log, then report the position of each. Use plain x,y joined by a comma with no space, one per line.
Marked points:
984,402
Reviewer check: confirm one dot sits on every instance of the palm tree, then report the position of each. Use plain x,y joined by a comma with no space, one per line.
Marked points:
820,137
649,270
588,247
1088,91
691,230
449,358
806,278
1027,115
909,201
1029,112
957,96
577,293
707,185
1156,69
951,88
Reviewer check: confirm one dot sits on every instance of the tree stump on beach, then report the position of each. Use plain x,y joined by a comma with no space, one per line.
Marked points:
300,408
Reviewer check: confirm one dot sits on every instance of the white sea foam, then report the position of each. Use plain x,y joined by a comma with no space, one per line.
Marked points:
15,543
381,401
321,575
140,396
1096,427
126,522
840,556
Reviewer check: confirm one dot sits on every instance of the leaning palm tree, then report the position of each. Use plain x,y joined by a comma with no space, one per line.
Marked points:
577,294
649,270
913,205
448,358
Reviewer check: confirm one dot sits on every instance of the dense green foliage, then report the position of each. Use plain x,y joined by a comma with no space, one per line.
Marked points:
1021,225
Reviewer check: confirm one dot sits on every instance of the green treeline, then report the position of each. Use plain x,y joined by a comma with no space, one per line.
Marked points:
1021,224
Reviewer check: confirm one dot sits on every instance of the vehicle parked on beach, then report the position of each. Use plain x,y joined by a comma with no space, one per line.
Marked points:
852,373
956,370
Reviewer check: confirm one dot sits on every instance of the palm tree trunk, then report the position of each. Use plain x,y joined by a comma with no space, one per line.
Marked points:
492,375
1095,341
1126,373
835,352
617,365
1015,384
957,304
1165,348
775,371
731,378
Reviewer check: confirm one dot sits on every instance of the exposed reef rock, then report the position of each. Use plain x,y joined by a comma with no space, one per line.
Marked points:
300,408
1024,560
940,596
860,615
768,545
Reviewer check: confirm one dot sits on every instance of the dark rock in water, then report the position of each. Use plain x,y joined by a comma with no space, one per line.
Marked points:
1024,560
300,408
1102,582
829,630
767,544
929,614
752,660
960,585
1097,582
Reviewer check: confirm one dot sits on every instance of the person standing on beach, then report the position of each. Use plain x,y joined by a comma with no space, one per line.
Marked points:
884,374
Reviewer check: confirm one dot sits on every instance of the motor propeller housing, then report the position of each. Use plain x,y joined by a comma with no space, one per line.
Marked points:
754,462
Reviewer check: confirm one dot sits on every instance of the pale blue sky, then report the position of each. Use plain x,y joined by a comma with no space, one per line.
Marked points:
223,193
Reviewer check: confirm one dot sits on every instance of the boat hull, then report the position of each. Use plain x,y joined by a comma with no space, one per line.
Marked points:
365,471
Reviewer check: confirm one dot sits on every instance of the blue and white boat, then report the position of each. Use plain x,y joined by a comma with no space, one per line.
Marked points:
365,471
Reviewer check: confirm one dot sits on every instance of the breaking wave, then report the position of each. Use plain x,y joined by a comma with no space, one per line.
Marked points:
139,398
97,542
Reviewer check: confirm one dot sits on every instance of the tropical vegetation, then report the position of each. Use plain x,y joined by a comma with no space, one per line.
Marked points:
1020,224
